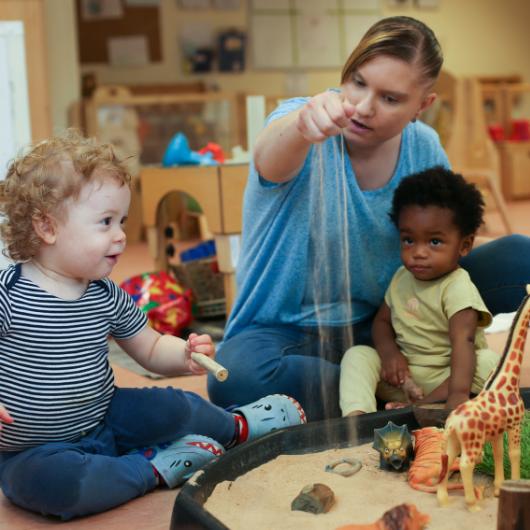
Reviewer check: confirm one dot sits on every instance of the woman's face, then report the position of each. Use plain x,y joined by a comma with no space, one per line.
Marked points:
387,94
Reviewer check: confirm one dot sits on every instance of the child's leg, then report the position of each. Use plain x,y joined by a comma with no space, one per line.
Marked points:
71,480
180,432
487,361
360,371
147,416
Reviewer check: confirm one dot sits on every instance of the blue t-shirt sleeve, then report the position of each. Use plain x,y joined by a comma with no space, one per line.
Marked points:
430,147
286,107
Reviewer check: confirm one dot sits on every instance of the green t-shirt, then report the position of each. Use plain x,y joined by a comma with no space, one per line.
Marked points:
420,312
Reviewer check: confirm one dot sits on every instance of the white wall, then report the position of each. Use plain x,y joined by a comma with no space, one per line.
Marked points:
63,62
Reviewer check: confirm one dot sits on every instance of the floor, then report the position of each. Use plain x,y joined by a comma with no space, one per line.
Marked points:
153,511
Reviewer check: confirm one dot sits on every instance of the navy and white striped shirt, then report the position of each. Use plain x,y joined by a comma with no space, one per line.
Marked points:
55,377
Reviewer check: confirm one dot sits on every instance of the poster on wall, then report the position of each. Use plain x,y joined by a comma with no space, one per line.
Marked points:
132,50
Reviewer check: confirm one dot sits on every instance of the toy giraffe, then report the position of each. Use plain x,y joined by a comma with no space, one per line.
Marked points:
498,408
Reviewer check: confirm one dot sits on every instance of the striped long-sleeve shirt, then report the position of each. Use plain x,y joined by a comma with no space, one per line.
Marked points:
55,378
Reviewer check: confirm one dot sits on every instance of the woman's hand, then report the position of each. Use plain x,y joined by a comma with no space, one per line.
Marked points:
395,369
324,115
4,416
200,344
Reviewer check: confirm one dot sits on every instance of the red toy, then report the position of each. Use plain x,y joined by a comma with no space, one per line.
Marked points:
166,303
215,149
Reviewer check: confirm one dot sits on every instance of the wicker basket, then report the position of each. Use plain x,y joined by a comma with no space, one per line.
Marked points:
202,276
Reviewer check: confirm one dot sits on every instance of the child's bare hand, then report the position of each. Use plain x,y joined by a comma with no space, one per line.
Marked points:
200,344
395,370
5,416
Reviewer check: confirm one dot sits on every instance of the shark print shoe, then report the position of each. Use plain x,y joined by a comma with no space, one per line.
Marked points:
177,461
271,413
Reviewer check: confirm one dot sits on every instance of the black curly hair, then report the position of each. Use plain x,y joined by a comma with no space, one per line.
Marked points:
441,187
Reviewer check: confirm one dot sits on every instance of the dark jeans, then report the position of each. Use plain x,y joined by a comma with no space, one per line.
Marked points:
95,473
294,361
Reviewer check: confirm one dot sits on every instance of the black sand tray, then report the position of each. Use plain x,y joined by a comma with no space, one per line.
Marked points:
188,512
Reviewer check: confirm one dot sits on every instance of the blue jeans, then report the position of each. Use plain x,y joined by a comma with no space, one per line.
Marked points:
297,362
69,479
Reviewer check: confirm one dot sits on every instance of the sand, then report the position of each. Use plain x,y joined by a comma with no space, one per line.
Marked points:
261,499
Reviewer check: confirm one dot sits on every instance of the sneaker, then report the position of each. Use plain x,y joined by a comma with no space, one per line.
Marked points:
177,461
270,413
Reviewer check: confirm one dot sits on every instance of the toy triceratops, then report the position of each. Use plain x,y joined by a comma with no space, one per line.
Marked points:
394,444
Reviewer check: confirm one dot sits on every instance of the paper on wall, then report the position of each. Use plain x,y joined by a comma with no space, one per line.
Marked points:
100,9
132,50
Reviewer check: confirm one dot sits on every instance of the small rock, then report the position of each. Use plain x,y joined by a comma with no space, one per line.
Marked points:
314,498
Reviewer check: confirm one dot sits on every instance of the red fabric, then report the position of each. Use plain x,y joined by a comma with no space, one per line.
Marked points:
166,303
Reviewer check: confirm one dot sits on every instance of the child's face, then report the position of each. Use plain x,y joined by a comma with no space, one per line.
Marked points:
431,244
89,238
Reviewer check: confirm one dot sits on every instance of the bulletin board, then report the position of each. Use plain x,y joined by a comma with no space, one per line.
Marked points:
136,19
307,34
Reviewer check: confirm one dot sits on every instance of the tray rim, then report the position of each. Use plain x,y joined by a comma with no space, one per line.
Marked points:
188,512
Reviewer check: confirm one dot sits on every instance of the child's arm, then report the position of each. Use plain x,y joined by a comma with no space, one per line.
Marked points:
395,368
166,354
457,387
462,330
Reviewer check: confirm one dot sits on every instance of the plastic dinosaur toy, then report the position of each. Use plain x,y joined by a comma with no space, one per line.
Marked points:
497,409
402,517
394,444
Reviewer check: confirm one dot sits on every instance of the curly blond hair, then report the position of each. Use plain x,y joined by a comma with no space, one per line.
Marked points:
42,177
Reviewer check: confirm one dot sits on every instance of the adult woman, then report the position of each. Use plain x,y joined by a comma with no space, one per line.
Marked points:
282,335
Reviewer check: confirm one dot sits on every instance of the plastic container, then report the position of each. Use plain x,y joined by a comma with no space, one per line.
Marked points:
188,511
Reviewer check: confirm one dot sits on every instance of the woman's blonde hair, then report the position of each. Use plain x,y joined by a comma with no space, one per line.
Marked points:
42,177
406,38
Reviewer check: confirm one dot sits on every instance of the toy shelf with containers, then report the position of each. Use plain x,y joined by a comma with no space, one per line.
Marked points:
513,139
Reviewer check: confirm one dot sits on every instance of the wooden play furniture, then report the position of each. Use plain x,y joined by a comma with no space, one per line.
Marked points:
32,14
219,191
515,155
467,143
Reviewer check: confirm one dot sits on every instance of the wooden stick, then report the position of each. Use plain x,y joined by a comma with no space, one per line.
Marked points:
219,371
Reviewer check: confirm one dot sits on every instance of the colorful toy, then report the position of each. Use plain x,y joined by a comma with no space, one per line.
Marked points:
425,469
498,408
166,303
178,153
394,444
402,517
215,150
